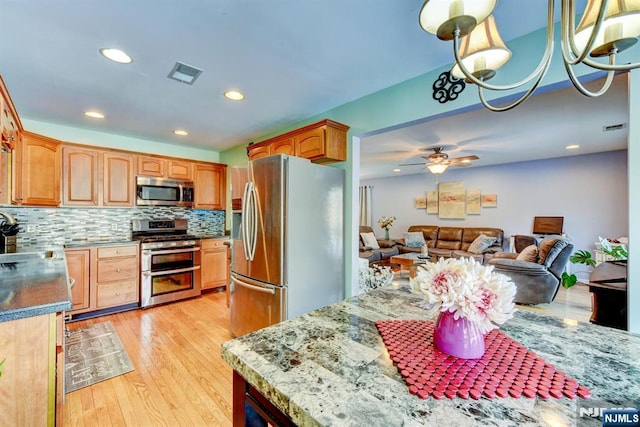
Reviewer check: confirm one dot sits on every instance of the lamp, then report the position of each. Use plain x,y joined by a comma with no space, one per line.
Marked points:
604,30
437,168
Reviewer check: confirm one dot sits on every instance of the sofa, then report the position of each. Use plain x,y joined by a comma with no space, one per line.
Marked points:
455,242
381,255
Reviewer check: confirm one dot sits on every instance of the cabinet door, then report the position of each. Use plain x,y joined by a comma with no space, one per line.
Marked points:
151,166
213,263
79,177
210,186
180,169
284,146
40,173
310,144
259,152
78,267
118,182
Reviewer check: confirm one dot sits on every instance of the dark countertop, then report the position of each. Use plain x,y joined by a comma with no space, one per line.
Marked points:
90,243
213,236
330,367
36,286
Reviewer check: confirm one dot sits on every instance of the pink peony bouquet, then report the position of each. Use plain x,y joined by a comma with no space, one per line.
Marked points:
468,289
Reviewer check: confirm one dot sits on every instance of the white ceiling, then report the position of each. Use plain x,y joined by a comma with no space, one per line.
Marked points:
293,59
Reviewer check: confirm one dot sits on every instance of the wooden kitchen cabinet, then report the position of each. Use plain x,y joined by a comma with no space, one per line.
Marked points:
31,380
107,276
118,187
79,176
321,142
10,125
36,171
164,168
210,186
214,263
78,268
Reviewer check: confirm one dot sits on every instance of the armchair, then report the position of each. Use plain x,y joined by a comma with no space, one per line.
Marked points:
536,282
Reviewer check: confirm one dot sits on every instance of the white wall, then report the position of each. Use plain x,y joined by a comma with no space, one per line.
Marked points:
590,191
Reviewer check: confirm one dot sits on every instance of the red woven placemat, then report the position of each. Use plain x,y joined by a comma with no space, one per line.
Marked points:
506,369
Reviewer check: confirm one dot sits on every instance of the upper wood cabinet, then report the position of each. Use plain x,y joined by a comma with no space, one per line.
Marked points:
321,142
164,168
36,171
210,186
79,176
118,187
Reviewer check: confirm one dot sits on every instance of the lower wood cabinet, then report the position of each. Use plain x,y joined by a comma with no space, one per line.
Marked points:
105,277
31,384
214,263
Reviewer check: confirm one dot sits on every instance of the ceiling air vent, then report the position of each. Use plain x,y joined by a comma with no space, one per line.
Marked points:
614,127
184,73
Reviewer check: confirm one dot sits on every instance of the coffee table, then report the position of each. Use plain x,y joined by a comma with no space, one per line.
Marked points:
408,262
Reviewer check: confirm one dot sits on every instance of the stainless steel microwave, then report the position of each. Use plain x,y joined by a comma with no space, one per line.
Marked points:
164,192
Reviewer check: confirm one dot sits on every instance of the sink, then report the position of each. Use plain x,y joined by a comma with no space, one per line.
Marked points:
10,258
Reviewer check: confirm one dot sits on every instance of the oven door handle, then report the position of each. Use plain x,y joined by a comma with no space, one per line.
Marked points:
165,272
170,251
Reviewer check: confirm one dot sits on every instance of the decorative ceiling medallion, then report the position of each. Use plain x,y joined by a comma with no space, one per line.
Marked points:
447,88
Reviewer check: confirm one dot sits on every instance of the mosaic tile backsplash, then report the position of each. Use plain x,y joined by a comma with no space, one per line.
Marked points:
41,226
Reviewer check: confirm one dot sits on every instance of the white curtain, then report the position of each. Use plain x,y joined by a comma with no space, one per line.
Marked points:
365,205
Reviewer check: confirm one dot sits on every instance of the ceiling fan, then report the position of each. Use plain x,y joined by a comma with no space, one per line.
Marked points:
439,161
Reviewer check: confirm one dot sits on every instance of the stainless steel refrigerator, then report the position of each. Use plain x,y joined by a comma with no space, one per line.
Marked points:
287,240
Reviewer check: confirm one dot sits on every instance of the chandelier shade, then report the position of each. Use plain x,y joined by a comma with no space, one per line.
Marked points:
482,51
620,29
437,168
441,17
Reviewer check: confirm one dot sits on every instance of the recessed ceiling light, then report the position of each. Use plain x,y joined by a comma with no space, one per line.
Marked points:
94,114
572,147
396,170
234,95
466,161
116,55
181,132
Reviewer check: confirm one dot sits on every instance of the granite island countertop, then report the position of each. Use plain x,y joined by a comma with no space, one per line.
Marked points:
331,368
34,287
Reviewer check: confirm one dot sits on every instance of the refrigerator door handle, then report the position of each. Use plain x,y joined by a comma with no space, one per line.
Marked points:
254,221
267,289
245,220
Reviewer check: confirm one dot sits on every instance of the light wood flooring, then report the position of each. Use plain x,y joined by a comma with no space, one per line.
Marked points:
179,378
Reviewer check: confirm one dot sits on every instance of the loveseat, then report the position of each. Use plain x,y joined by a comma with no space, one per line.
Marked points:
386,248
456,242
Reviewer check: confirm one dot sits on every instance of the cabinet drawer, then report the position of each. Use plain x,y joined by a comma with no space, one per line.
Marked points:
119,293
110,270
117,251
213,243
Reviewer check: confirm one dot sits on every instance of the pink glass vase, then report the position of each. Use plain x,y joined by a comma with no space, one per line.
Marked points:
458,337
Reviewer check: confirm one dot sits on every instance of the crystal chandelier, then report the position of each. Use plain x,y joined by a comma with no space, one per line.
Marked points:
606,28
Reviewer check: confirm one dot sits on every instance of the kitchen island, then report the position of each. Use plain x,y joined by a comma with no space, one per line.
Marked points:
330,367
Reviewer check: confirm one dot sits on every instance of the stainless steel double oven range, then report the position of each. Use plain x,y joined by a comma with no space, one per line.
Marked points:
169,258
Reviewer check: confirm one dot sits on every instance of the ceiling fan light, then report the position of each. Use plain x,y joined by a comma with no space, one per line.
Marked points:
441,17
437,168
483,51
620,29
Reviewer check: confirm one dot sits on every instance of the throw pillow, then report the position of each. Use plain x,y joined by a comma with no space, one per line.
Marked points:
481,244
369,239
414,239
529,254
549,250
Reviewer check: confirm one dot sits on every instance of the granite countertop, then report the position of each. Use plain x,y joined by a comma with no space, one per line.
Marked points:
36,286
213,236
102,242
330,367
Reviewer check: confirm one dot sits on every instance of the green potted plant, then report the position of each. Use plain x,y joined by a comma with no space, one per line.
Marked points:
618,252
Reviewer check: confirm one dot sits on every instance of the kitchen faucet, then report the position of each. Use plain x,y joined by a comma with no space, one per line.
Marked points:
9,219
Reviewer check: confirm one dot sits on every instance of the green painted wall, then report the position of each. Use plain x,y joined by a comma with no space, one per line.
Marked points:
103,139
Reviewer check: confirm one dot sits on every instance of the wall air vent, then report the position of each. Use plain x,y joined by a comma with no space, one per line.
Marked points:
614,127
184,73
